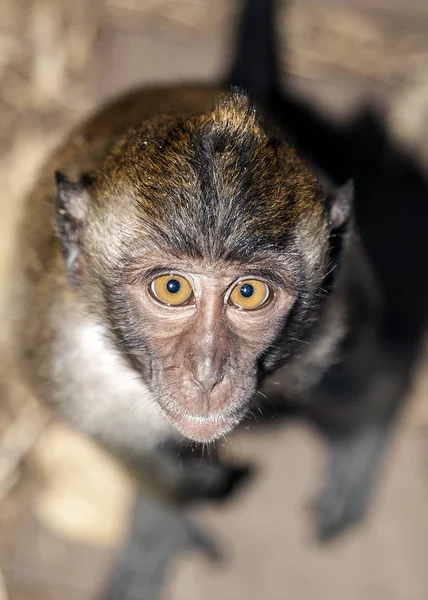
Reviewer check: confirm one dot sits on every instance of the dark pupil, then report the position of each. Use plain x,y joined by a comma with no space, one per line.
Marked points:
173,286
247,290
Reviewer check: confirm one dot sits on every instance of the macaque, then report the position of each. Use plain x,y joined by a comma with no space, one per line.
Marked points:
177,253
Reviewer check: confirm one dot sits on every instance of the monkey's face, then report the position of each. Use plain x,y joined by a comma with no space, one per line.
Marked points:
205,326
203,245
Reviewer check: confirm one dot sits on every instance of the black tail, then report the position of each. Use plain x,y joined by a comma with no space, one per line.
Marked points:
254,67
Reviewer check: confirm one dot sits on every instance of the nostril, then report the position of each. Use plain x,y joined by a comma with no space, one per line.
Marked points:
218,380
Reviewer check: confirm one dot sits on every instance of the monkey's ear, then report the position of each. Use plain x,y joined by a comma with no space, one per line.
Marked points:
339,200
71,210
339,204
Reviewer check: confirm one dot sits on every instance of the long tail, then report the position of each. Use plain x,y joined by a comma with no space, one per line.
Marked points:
254,66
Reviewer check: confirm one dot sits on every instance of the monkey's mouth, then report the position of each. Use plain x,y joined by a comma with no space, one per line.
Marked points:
204,429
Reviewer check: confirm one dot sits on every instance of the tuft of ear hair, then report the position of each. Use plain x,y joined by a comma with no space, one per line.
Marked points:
71,210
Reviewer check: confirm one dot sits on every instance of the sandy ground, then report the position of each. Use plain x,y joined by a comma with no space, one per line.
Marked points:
265,531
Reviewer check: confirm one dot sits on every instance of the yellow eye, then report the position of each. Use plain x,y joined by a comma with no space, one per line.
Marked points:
250,294
171,289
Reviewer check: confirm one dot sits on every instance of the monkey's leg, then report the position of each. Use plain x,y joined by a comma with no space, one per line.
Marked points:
156,534
355,449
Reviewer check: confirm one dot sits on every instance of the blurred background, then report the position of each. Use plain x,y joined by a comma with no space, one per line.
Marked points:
63,503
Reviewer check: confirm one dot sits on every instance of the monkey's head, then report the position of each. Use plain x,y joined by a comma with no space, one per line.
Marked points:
204,244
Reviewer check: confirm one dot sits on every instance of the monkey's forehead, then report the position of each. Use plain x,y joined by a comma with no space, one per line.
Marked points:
210,211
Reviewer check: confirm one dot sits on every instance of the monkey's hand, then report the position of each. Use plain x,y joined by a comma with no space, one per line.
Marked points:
175,473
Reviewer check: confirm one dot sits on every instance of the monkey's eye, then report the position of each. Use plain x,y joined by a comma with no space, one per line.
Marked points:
171,289
250,294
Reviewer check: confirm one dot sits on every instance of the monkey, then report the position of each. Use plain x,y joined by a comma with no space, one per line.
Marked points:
176,253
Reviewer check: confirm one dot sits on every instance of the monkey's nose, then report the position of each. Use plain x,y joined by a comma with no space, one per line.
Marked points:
207,375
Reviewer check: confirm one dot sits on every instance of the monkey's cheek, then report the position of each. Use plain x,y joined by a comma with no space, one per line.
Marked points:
204,429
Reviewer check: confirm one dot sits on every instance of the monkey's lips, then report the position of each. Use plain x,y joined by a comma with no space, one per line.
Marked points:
203,429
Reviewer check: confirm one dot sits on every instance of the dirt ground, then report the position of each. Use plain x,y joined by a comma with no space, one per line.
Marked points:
58,59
